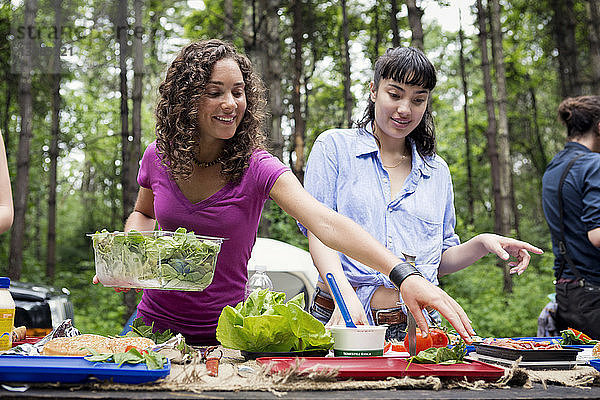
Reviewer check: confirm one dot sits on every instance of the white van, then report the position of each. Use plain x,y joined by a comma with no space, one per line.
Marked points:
290,268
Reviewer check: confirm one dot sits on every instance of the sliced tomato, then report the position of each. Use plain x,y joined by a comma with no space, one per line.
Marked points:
399,347
130,347
387,347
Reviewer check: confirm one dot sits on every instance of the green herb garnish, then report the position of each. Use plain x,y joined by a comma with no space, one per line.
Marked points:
152,359
441,355
570,337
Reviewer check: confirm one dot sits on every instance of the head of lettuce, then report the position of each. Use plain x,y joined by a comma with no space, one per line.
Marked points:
265,323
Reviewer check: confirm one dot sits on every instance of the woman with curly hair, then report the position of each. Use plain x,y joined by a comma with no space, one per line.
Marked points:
386,176
208,171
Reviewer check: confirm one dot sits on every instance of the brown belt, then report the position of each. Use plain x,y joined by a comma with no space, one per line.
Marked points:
386,316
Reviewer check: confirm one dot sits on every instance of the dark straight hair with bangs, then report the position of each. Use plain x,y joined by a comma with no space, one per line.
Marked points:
410,66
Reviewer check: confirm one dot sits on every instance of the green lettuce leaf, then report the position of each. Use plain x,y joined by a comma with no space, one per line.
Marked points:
265,323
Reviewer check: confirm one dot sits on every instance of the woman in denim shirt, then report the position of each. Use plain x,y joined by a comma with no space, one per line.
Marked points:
386,176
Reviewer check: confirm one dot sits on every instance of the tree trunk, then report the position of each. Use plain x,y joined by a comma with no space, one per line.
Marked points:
594,36
154,26
272,44
9,82
416,27
563,23
36,240
515,208
394,23
228,28
136,115
248,33
503,136
376,39
87,196
134,150
543,160
253,41
463,75
122,36
348,100
55,133
17,237
299,122
263,45
492,148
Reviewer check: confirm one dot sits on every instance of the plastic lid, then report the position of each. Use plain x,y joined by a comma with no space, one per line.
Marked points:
4,282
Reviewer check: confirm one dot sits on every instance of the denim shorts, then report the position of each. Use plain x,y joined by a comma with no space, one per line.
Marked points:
394,332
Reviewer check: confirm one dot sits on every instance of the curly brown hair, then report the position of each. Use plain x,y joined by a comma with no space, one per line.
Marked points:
177,111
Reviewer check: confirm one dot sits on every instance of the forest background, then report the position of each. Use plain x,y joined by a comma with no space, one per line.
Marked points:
79,85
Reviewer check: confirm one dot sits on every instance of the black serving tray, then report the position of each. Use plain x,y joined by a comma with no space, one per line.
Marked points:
253,355
569,354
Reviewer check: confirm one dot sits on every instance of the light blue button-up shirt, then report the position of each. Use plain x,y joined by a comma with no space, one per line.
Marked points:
345,172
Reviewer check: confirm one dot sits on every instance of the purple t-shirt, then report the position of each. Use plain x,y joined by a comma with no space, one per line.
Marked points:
232,213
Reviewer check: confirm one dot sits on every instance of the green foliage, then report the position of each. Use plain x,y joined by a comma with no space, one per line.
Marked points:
139,329
98,309
478,289
89,191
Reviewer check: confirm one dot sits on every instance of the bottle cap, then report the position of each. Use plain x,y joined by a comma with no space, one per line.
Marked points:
260,268
4,282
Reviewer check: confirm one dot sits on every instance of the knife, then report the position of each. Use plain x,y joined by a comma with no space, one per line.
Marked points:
411,330
412,334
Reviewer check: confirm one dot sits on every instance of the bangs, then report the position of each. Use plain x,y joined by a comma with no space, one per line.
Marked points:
406,65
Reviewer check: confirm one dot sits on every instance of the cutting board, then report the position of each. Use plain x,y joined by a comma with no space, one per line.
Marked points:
382,367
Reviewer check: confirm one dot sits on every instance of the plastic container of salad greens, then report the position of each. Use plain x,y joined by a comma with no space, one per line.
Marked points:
177,260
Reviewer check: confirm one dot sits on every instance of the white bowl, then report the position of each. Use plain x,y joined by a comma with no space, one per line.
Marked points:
362,341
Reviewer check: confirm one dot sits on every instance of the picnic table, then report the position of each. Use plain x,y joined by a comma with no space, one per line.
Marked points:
246,379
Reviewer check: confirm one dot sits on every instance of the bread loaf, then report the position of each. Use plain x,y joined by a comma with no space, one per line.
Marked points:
80,345
76,345
18,334
596,350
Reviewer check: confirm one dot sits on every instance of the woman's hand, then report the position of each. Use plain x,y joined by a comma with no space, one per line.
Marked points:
418,293
95,281
356,310
505,248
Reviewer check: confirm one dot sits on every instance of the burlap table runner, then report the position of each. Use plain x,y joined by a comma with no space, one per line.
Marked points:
236,374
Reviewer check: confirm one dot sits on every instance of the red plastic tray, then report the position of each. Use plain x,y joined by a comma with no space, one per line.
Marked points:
383,367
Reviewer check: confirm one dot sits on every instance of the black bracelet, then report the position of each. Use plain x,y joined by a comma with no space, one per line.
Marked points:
402,271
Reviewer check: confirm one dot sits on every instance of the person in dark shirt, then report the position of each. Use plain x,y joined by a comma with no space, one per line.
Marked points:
571,201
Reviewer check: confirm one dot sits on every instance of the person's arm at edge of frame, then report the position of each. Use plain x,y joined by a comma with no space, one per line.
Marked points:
594,236
327,260
140,219
341,233
6,200
461,256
